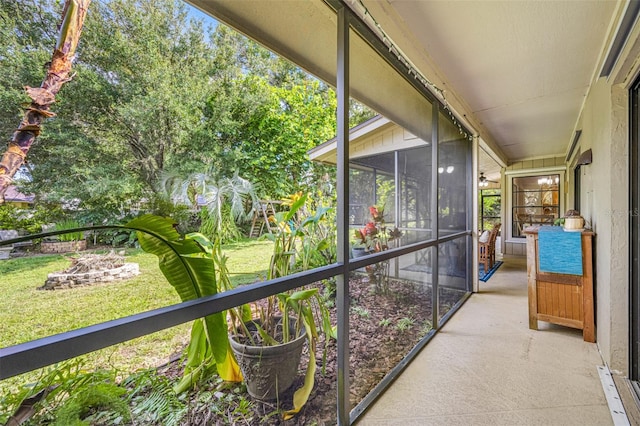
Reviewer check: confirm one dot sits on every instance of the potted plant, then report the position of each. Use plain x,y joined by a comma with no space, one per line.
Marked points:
358,249
268,346
375,237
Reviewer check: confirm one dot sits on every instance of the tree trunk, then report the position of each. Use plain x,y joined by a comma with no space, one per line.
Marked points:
42,97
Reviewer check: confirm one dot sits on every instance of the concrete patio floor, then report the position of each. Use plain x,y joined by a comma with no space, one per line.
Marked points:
487,368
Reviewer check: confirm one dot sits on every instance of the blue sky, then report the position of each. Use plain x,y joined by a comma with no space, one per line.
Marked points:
198,14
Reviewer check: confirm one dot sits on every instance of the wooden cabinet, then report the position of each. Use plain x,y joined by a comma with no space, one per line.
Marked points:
558,298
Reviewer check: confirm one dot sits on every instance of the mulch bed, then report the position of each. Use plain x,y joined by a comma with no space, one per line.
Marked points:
383,329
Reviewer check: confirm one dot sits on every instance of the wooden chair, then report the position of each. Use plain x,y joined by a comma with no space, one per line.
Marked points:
492,240
487,250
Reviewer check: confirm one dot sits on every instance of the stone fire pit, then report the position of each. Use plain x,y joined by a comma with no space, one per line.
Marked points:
92,269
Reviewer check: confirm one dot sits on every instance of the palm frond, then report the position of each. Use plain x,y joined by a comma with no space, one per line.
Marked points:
153,399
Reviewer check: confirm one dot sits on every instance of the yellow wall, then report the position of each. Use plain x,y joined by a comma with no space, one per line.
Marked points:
390,139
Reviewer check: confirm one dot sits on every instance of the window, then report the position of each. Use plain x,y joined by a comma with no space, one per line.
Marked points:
535,201
490,208
374,180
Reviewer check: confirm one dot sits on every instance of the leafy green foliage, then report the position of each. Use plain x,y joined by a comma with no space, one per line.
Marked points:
151,397
490,207
153,400
153,91
29,220
384,322
57,385
69,236
296,229
298,118
225,202
426,328
226,230
100,403
359,113
188,264
405,323
305,237
360,311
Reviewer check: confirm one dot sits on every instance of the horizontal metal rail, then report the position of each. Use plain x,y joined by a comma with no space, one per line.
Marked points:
370,259
39,353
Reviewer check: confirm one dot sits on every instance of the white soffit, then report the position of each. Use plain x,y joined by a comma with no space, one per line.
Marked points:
522,67
489,167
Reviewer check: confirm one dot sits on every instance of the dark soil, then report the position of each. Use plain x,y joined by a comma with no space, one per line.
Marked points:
384,327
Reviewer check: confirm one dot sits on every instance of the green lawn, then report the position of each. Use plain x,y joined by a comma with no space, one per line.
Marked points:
27,313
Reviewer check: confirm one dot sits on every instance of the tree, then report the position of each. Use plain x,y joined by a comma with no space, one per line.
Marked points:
133,108
144,79
262,117
156,92
24,27
58,73
297,118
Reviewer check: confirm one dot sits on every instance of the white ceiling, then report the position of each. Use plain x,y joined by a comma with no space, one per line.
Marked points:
523,68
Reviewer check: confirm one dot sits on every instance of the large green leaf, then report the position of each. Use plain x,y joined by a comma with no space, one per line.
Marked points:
188,265
198,356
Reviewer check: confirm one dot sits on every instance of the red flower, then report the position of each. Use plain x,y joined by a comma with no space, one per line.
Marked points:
370,229
377,214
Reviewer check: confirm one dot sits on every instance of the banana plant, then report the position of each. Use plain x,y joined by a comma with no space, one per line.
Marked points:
195,267
189,265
